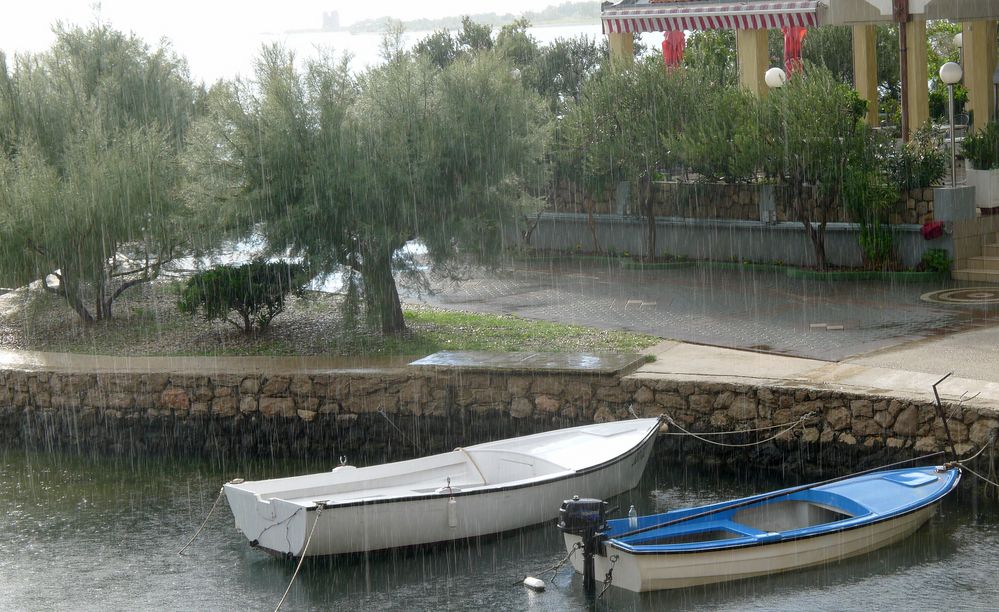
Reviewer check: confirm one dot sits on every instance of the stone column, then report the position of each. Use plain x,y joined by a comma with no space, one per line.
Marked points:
865,69
622,48
979,64
919,94
751,51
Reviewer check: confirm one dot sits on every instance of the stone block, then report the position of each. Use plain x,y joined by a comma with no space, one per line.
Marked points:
839,418
301,386
603,415
224,406
307,415
175,398
277,406
547,386
862,408
847,438
644,395
670,401
724,400
578,391
247,405
701,403
907,422
519,385
547,404
615,395
862,426
742,408
276,386
249,386
521,407
982,430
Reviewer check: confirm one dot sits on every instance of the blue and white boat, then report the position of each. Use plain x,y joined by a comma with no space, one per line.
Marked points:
765,534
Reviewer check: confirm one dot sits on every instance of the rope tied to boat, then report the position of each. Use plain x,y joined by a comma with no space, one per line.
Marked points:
319,512
555,568
701,436
210,511
609,576
962,463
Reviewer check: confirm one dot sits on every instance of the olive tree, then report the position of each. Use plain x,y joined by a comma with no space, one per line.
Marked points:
623,129
345,171
89,138
813,131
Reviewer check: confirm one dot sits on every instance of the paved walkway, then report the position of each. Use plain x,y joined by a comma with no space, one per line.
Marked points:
873,323
677,360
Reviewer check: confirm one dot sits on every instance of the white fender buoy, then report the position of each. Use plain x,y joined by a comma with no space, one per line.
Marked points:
535,584
452,513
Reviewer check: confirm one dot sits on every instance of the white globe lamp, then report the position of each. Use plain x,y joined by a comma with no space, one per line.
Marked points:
774,78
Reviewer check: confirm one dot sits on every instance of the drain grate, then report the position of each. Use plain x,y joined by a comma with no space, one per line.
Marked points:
967,295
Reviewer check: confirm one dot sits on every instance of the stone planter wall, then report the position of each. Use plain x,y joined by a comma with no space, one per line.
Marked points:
406,412
739,201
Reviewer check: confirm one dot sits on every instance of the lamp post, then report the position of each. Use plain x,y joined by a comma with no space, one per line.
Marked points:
951,73
775,78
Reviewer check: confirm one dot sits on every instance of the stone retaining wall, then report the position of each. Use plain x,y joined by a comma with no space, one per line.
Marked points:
411,411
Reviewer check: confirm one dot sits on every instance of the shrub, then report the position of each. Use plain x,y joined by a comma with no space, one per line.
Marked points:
918,163
936,260
869,198
256,291
982,147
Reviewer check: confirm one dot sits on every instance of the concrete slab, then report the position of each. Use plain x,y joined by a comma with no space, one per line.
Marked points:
207,366
576,363
680,359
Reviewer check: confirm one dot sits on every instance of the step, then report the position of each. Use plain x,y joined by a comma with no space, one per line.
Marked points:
985,262
991,250
978,276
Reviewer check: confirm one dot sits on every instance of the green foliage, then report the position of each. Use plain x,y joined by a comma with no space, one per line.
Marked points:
514,43
255,291
561,68
473,36
439,48
711,53
941,49
936,260
721,141
981,148
90,132
918,163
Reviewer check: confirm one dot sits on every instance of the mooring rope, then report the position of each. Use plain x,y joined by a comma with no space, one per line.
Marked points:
308,540
555,568
609,576
701,437
196,533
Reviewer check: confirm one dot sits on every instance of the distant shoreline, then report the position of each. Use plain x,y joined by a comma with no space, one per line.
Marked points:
350,30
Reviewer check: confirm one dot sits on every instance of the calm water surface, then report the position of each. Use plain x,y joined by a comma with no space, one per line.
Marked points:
103,534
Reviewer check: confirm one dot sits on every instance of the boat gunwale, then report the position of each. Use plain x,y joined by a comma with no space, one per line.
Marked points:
649,437
744,541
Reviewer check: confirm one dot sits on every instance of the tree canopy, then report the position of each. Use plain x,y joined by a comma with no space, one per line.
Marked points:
89,137
345,171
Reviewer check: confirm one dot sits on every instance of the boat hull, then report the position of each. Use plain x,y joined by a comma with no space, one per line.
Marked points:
300,528
651,572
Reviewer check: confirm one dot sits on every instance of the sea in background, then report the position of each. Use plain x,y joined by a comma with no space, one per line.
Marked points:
231,54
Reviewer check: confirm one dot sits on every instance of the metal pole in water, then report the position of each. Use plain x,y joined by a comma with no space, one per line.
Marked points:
589,579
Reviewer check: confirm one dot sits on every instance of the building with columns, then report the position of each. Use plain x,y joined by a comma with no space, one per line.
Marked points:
752,18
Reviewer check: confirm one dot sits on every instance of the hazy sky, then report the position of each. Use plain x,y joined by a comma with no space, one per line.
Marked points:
26,24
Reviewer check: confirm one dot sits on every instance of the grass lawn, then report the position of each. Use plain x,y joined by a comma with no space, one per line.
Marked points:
147,322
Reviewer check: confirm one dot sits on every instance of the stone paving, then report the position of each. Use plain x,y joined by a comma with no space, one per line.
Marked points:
761,310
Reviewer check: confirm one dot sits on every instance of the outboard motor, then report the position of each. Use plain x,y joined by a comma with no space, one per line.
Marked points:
586,518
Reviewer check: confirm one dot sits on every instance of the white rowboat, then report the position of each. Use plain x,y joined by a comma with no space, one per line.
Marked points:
471,491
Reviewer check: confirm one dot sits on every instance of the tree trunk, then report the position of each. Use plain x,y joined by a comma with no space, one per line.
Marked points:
383,297
648,206
70,290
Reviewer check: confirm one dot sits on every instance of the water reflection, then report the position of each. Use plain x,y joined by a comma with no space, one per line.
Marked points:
103,534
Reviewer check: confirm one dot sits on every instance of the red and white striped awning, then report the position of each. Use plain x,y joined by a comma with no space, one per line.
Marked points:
710,16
